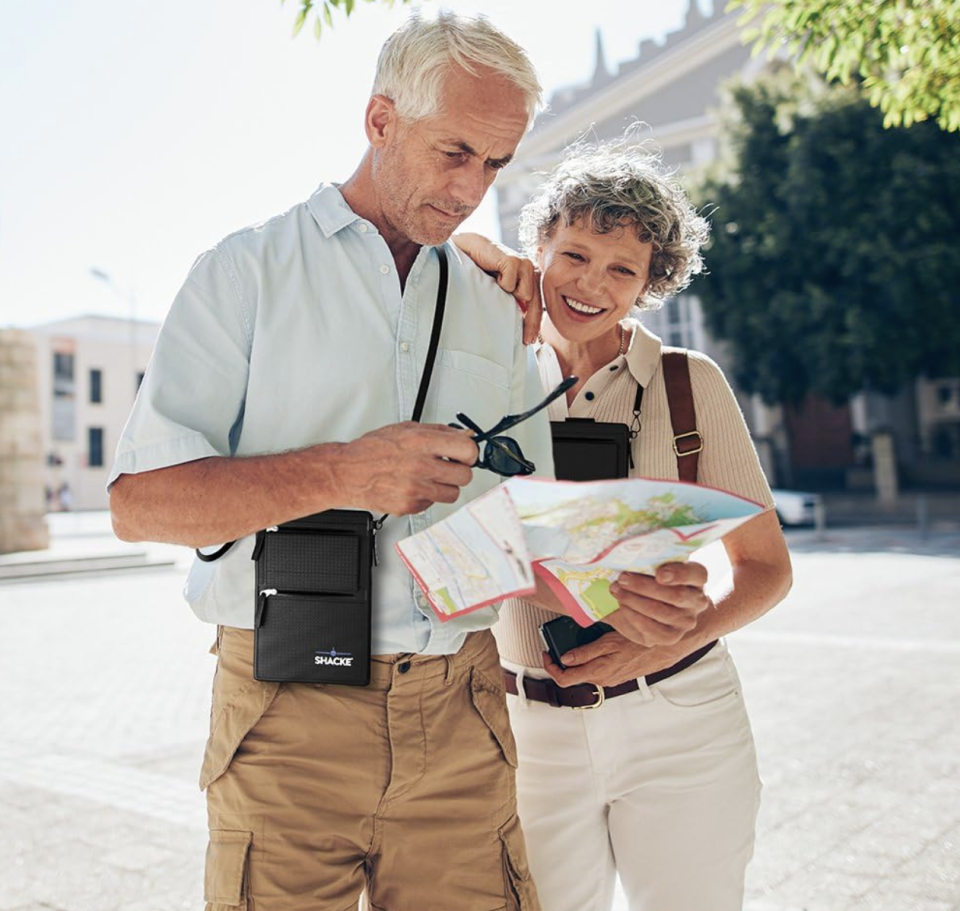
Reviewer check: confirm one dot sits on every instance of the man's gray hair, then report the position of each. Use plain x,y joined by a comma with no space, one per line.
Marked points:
417,57
621,184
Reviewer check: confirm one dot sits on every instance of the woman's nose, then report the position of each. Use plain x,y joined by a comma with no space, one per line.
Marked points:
591,280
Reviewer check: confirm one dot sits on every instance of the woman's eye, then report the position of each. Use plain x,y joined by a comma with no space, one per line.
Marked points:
574,256
624,271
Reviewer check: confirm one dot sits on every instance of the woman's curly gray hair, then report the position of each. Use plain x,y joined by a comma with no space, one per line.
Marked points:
619,185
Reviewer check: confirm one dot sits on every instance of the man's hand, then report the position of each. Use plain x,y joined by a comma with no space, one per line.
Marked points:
404,468
660,609
516,274
609,660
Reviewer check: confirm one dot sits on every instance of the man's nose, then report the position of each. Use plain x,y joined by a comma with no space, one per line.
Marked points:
470,184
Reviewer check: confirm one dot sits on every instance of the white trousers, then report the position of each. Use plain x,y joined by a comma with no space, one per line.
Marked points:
659,786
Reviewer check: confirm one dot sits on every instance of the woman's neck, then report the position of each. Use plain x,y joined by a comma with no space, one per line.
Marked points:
584,359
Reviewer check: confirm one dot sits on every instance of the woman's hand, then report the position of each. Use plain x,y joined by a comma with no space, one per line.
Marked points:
659,609
609,660
516,274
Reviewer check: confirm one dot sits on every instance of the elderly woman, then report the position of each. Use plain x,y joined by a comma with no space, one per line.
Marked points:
659,783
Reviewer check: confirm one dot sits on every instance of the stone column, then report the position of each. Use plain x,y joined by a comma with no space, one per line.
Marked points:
885,466
22,500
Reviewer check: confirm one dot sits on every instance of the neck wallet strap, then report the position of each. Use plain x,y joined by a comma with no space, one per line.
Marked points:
432,349
434,334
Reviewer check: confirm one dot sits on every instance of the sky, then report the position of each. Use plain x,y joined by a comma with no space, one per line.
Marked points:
135,135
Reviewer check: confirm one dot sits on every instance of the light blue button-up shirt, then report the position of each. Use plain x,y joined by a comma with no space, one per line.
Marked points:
295,332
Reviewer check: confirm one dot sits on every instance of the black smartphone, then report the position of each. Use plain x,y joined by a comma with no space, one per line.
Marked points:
563,634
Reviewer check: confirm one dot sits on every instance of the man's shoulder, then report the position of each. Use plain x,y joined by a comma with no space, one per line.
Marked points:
263,233
473,280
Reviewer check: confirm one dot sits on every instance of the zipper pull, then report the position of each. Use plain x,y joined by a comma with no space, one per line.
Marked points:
262,603
377,525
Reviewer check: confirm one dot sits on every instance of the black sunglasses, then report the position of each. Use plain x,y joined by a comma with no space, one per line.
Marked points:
502,454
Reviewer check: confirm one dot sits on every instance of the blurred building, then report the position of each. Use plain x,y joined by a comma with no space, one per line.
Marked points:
89,369
675,88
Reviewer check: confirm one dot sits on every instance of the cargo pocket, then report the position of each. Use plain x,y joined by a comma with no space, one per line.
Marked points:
225,875
490,702
230,723
520,892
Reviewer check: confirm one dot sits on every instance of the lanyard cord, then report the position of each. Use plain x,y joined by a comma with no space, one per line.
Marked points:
431,351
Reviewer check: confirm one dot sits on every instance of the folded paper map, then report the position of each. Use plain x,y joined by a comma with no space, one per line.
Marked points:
577,536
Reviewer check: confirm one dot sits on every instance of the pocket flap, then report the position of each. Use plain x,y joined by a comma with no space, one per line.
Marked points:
516,871
226,866
490,703
231,723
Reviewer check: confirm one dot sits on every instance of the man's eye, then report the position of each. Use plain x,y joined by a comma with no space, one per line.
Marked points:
454,156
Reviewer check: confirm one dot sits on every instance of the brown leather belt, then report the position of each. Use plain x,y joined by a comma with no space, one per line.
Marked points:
588,695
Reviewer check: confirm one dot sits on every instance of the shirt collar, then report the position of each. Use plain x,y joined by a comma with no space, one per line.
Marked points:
330,209
643,355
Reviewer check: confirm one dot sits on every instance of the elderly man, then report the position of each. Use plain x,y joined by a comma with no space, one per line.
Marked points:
282,385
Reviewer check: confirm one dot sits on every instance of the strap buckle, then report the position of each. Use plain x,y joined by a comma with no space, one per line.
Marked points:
683,436
600,698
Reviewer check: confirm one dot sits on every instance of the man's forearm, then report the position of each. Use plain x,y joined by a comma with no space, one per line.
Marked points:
213,500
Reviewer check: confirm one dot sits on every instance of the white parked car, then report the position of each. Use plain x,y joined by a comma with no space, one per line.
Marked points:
795,507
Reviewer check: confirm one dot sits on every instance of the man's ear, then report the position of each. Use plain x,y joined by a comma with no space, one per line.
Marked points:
380,120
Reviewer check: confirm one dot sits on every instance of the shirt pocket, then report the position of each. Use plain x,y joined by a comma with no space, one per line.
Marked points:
475,385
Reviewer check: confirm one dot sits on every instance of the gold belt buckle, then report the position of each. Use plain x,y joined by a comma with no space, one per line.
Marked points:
596,705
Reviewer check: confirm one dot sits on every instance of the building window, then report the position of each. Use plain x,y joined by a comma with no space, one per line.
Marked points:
62,370
95,447
96,387
63,412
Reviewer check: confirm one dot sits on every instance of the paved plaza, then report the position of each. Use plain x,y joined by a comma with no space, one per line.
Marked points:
853,686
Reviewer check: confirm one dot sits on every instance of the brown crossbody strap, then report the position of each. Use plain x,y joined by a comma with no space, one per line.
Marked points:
687,440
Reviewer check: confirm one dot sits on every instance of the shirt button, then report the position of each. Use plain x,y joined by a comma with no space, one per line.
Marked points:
385,270
363,229
403,667
404,347
589,396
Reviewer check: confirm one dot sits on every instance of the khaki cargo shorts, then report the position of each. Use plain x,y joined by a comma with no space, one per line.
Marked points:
404,788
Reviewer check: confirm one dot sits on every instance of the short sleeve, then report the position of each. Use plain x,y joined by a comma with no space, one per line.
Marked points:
526,391
190,404
729,460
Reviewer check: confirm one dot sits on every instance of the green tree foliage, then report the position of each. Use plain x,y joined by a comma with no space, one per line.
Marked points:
322,13
834,264
907,52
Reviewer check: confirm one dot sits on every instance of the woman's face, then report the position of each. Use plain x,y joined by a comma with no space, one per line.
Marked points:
590,281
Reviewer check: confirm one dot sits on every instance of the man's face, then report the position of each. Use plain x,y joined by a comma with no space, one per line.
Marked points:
430,174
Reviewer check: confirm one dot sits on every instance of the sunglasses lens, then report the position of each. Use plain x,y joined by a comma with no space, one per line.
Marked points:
506,459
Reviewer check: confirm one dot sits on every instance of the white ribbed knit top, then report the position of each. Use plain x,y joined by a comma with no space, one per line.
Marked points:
728,460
